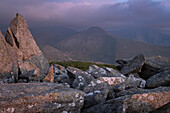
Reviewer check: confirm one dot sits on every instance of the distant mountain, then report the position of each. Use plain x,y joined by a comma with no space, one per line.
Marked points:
95,44
150,36
51,35
53,54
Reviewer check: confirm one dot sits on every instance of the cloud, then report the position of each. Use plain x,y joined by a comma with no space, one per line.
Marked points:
85,13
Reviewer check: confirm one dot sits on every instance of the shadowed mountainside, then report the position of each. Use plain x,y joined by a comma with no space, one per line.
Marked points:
53,54
95,44
150,36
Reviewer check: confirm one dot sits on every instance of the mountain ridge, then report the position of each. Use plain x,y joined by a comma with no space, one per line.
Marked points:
99,45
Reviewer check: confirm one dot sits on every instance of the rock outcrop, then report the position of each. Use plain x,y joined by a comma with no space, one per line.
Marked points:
19,51
8,60
21,40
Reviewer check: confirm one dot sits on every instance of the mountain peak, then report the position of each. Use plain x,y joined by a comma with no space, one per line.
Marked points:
96,29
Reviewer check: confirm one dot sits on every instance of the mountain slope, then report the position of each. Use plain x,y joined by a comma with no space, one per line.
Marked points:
53,54
91,45
95,44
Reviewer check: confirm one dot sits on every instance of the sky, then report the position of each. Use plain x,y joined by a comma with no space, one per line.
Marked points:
80,14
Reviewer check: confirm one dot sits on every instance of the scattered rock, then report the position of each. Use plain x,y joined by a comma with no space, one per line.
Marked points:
134,65
40,97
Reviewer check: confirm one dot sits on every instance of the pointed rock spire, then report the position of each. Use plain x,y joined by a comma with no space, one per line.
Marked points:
23,37
19,47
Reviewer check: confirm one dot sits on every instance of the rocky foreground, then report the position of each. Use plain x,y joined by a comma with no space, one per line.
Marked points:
29,85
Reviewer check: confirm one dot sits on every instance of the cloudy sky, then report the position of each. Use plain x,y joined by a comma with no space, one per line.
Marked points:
86,13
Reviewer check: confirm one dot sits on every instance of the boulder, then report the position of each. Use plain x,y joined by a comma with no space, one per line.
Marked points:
129,91
21,41
147,102
50,75
121,63
132,81
98,72
144,102
97,92
154,65
58,69
39,97
27,75
73,72
112,72
63,78
82,80
112,81
134,65
160,79
158,62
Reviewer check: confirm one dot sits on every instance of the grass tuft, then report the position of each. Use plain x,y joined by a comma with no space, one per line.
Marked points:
82,65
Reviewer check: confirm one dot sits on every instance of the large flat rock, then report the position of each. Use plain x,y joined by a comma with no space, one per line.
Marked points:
142,102
39,97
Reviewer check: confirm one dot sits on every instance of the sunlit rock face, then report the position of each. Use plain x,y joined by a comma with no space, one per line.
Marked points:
8,59
19,49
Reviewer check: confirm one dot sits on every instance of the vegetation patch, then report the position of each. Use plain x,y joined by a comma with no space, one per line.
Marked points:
82,65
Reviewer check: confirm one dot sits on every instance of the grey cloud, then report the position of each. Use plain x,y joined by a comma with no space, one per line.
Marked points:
133,13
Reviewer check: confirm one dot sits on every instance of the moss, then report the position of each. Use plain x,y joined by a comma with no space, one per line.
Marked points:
82,65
